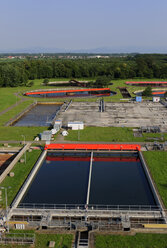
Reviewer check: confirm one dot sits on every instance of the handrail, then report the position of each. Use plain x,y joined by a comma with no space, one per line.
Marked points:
89,207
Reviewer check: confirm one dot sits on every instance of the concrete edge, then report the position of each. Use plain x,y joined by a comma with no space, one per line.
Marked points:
15,160
28,180
18,116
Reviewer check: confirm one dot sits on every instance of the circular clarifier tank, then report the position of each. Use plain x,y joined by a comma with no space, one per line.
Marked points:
93,92
155,92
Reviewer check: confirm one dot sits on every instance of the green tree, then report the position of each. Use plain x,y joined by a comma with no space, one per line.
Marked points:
165,94
46,81
29,84
102,81
147,91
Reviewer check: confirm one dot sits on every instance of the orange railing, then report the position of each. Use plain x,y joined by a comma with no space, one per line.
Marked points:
119,147
66,91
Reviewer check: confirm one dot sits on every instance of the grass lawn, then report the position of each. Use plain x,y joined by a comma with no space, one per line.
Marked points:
139,240
14,133
157,162
21,171
5,100
61,240
108,134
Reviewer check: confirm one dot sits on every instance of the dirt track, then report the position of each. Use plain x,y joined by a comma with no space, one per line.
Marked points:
5,159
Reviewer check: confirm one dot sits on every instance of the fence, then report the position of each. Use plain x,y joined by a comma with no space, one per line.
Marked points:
90,207
18,238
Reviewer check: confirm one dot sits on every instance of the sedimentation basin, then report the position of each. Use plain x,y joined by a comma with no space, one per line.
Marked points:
92,92
84,183
42,114
116,179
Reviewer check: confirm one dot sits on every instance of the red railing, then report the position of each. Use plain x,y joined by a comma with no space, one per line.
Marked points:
158,92
66,91
119,147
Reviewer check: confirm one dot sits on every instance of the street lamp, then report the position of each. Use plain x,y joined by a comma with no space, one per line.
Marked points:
6,201
24,145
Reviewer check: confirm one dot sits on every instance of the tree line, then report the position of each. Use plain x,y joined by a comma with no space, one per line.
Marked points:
19,73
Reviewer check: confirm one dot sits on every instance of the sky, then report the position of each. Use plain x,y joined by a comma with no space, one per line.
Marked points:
71,25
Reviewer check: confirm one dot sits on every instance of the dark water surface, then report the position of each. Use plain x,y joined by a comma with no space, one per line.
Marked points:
117,179
120,183
59,182
40,115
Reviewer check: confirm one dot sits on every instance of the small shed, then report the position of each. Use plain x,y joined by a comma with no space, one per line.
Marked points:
138,98
156,99
76,125
46,135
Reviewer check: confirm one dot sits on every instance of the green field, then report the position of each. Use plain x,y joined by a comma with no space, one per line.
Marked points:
8,94
21,171
61,240
110,134
8,97
157,162
15,133
137,241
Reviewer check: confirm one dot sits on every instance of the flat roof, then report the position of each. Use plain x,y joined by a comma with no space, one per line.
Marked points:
75,122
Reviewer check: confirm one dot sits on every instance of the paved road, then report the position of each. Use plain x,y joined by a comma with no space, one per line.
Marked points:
74,142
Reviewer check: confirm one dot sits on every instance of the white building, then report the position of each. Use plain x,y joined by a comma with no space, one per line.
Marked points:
156,99
76,125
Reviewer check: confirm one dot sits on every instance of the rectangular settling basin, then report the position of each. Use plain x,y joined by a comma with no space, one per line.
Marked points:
61,179
119,179
115,179
40,115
